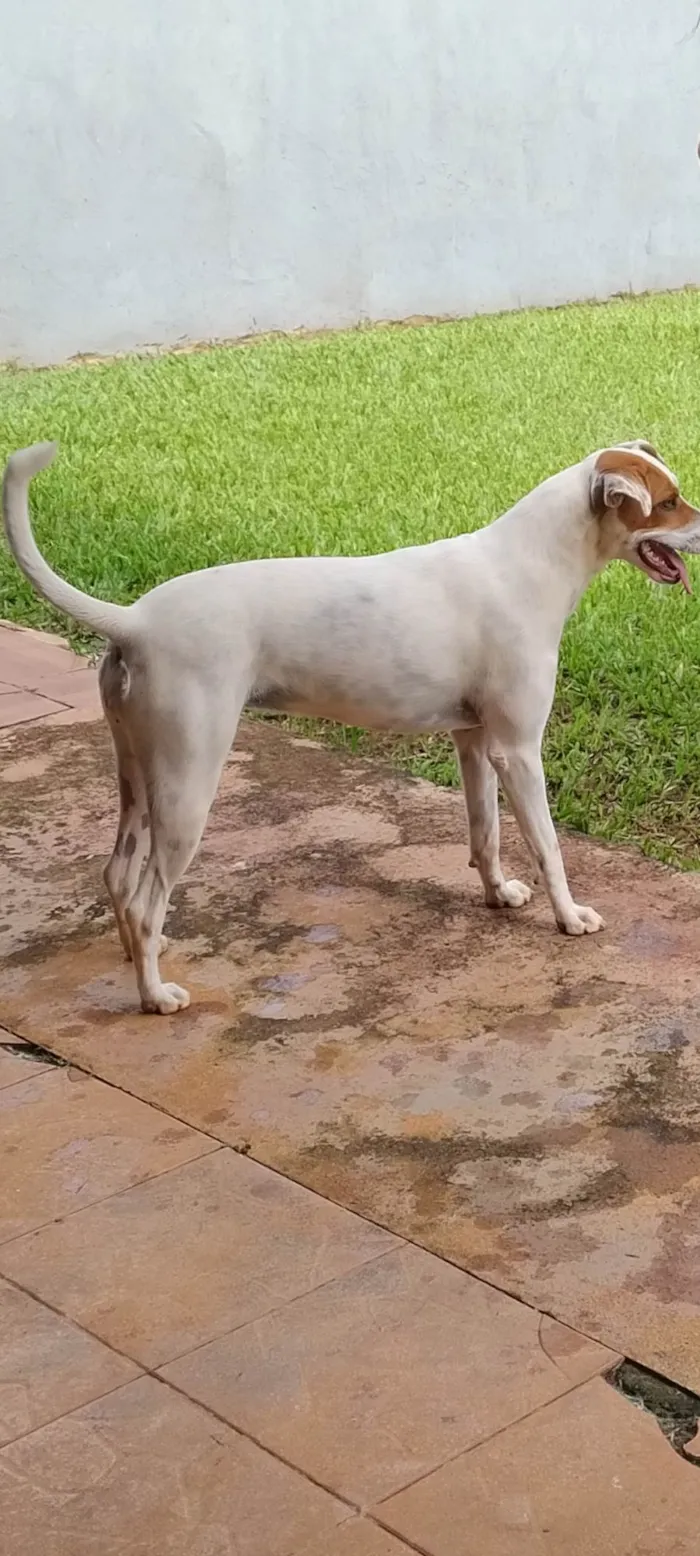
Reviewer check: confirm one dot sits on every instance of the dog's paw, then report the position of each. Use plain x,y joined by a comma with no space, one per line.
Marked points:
510,894
166,1000
582,921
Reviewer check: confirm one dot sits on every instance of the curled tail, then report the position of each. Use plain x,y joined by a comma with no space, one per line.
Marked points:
107,620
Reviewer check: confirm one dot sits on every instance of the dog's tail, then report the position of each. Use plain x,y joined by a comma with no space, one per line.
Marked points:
100,616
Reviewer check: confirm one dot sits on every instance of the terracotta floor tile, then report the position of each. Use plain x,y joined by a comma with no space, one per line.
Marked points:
185,1257
145,1471
67,1140
576,1355
16,1065
47,1365
76,688
588,1476
6,688
357,1537
21,707
83,713
380,1376
27,656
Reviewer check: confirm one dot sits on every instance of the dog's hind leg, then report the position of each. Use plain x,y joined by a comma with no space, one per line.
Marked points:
183,769
481,797
122,873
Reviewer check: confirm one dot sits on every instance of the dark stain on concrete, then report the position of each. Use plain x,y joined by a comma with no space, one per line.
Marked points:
96,920
432,1164
595,991
654,1099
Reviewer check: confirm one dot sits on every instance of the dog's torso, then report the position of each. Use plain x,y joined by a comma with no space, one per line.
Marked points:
416,639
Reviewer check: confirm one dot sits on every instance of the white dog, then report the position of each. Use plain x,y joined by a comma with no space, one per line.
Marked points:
461,635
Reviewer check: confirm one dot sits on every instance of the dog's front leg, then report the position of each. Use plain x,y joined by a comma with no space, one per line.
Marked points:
520,770
481,797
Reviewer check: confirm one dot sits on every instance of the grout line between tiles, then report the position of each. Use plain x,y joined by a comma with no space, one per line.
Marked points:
63,1414
38,1069
270,1312
155,1372
251,1438
150,1372
149,1102
155,1369
38,718
208,1134
410,1544
67,1215
462,1453
373,1513
33,691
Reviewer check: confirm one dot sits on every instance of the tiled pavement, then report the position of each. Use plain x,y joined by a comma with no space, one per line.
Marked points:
42,680
200,1357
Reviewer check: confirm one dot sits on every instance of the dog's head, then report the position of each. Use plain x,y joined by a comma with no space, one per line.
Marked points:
643,518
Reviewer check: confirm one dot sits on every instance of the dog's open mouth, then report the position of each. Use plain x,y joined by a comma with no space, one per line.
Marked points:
663,564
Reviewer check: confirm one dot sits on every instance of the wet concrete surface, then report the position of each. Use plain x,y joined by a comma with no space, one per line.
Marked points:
525,1105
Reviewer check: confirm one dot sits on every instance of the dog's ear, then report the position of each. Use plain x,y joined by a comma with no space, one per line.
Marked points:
635,472
609,488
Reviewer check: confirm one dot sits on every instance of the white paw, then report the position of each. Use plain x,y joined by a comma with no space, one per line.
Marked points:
582,921
510,894
166,1000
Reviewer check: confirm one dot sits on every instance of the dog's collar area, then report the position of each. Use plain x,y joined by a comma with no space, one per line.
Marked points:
663,564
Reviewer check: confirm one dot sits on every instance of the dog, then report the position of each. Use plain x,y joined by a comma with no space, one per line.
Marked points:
460,635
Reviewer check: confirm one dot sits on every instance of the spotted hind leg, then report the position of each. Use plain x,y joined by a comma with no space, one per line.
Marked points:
123,871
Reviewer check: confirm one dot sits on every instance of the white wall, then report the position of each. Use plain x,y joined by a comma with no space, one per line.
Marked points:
196,168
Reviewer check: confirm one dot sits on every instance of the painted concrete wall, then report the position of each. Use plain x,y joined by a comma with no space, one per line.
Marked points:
196,168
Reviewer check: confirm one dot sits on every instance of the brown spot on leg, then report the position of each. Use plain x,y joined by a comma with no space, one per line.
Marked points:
130,846
145,821
126,794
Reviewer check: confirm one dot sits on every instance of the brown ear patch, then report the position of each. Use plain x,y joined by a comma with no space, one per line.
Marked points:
634,483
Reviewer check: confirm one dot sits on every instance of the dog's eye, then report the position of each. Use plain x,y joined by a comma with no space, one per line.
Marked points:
670,503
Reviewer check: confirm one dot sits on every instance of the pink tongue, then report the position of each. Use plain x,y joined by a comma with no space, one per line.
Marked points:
676,560
680,564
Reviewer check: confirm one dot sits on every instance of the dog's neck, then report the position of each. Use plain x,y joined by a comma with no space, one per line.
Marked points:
554,544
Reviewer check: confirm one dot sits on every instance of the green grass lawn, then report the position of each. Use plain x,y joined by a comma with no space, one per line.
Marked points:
375,438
